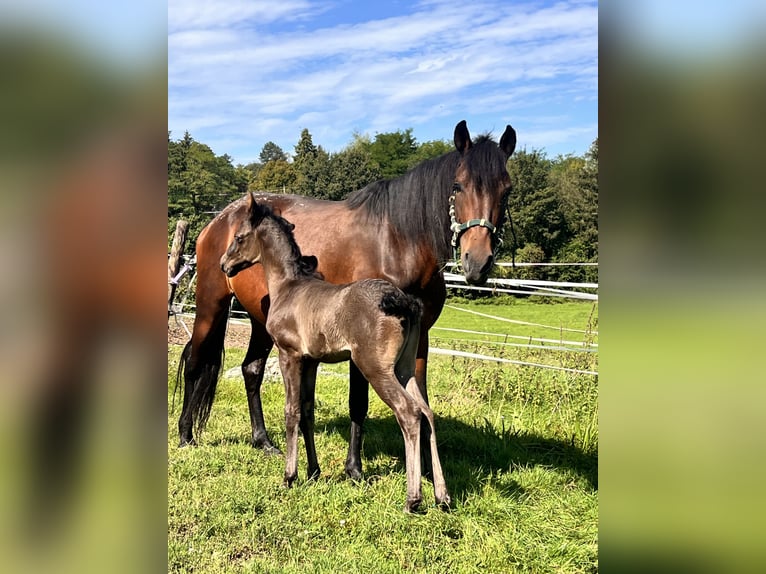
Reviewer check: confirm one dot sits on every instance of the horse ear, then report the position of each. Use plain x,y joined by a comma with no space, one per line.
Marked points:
462,137
310,263
508,141
255,210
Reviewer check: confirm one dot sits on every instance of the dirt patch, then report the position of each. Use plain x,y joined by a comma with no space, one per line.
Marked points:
237,334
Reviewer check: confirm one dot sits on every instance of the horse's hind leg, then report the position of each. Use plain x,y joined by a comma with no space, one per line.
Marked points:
308,386
410,361
291,373
253,368
440,485
358,403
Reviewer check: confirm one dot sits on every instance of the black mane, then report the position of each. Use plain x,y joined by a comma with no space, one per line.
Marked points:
416,204
301,265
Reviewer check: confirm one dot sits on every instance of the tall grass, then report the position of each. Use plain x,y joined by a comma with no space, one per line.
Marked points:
518,445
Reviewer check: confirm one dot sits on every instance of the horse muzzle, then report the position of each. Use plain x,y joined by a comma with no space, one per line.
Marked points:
476,269
232,270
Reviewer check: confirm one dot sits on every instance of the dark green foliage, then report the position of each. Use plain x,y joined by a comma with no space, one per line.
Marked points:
272,152
554,208
199,184
391,152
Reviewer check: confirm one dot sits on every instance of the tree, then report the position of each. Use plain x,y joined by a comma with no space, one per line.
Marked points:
349,170
276,175
535,207
391,152
311,165
272,152
199,183
430,150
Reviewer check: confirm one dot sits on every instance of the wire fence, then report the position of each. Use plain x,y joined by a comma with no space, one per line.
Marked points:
185,307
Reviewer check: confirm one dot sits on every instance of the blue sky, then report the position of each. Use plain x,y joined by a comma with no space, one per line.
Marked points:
242,73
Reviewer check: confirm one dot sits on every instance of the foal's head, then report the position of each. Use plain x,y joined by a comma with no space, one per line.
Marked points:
246,248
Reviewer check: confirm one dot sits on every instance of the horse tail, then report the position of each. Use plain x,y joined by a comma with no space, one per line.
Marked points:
400,304
203,372
180,372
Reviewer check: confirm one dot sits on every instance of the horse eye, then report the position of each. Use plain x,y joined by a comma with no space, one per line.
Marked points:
238,238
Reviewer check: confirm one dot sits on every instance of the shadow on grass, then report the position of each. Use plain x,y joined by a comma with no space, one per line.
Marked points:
471,453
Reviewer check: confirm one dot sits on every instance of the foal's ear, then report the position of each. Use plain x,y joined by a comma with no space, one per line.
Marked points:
255,210
508,141
462,137
309,263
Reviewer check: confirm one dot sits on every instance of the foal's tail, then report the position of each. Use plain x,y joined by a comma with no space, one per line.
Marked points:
399,304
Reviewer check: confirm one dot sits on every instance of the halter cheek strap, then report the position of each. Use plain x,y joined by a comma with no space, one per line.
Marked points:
458,228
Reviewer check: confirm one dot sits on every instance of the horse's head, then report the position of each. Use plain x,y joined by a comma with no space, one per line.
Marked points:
245,248
480,193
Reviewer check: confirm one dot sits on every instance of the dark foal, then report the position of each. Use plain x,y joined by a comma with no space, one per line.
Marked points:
371,322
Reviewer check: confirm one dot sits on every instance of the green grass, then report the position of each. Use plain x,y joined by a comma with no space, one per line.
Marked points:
518,446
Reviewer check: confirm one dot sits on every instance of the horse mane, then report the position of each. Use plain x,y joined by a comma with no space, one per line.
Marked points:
300,265
416,204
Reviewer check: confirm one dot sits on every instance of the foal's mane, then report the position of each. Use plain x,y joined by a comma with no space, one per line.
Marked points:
299,265
416,204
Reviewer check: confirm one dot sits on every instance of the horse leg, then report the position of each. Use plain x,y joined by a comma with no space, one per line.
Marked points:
440,485
408,416
291,373
358,403
253,368
308,386
383,378
421,369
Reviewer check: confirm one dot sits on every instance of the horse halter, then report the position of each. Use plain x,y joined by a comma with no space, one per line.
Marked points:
458,228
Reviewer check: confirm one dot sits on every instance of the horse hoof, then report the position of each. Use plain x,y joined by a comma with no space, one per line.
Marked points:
266,447
413,506
187,442
445,503
354,474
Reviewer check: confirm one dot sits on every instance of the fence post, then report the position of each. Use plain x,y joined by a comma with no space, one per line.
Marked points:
174,261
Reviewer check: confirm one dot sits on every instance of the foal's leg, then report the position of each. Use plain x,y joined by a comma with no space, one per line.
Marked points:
408,415
291,373
253,368
308,385
440,485
358,403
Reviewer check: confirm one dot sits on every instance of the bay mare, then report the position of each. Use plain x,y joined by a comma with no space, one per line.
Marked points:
400,230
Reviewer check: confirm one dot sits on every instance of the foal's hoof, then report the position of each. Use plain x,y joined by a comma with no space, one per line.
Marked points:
187,442
413,506
445,503
288,482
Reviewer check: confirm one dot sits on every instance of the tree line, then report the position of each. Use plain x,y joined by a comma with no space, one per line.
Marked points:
553,206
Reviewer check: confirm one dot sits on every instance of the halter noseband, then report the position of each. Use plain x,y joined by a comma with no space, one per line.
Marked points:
458,228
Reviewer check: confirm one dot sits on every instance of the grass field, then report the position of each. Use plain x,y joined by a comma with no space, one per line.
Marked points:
518,445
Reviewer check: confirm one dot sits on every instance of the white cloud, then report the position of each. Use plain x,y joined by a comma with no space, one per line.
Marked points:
245,68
